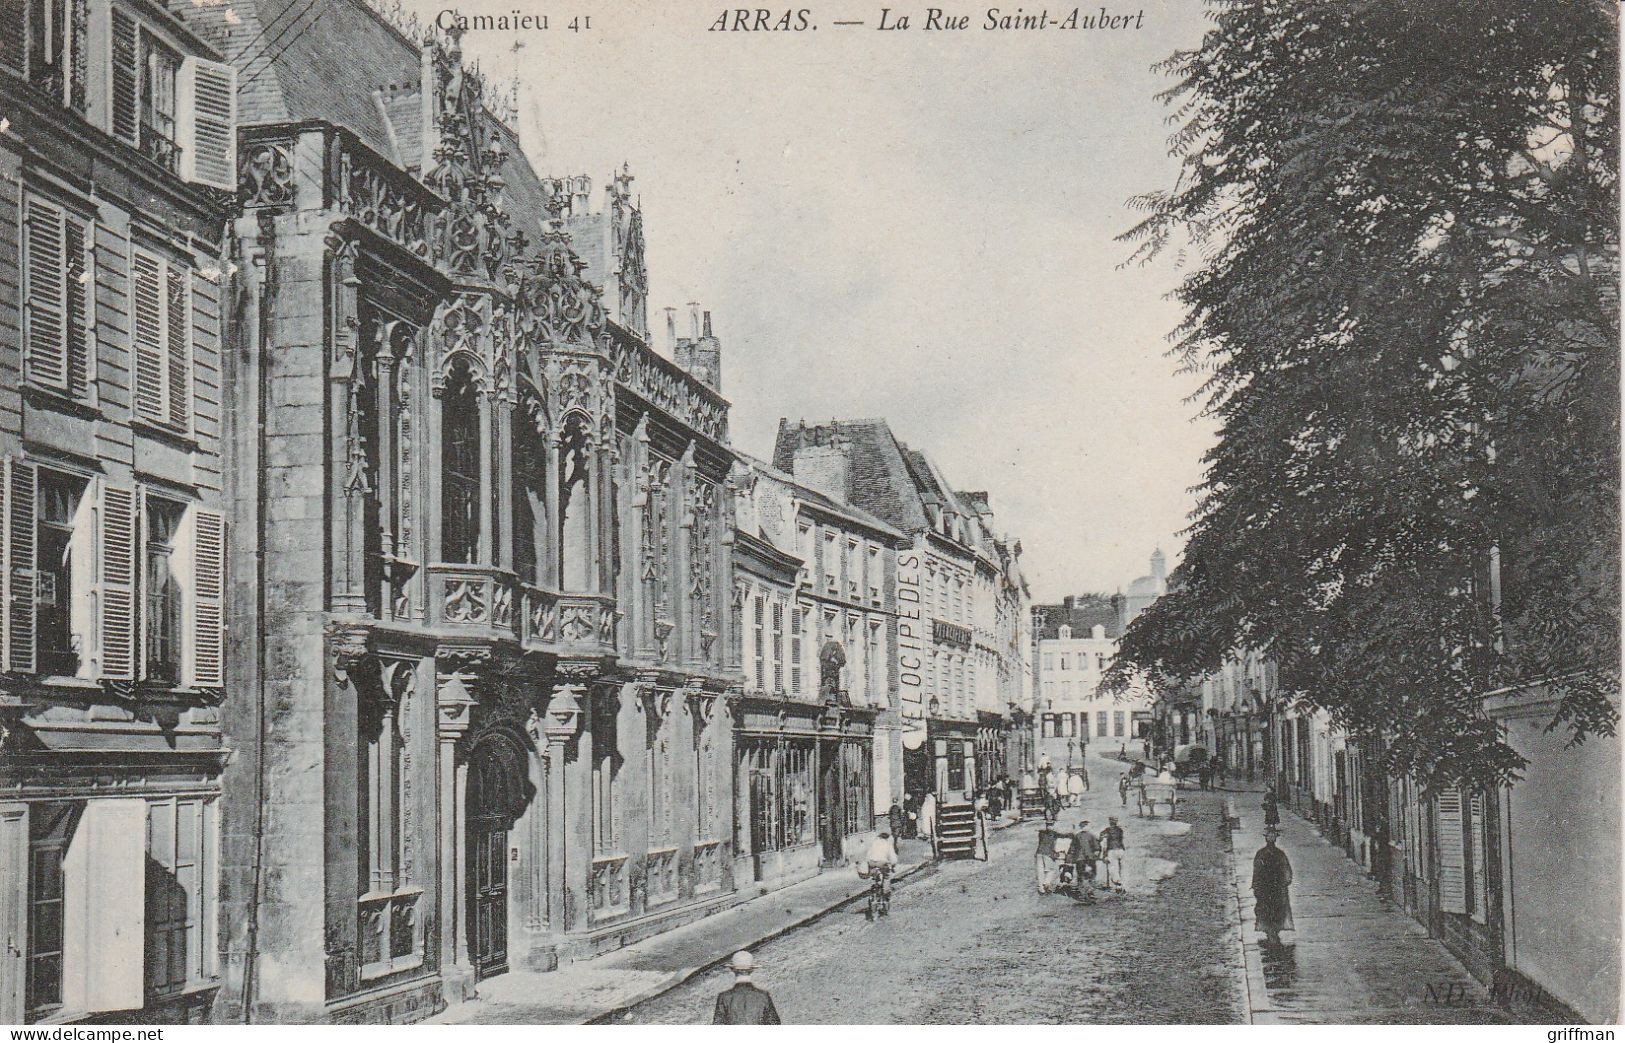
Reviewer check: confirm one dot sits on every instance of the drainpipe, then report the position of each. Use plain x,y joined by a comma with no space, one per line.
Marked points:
267,291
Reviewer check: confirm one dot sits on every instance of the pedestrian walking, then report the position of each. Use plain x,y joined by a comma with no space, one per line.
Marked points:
1122,787
1074,789
745,1003
896,819
1272,879
928,816
1085,857
1272,810
1111,840
1045,860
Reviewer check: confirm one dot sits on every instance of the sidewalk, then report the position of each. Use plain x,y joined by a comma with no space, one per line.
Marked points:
1356,958
579,993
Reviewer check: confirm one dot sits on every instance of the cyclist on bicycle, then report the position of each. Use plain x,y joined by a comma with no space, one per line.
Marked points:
882,858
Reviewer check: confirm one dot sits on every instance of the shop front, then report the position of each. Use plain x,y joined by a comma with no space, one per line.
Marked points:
803,789
946,763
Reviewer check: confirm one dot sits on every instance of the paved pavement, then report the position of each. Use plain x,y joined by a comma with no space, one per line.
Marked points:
1354,957
593,989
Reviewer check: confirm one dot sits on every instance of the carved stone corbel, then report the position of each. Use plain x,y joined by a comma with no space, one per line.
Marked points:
562,720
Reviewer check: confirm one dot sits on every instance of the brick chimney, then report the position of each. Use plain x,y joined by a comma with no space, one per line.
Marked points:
827,468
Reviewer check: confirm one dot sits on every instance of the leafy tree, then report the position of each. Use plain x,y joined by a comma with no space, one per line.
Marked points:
1405,303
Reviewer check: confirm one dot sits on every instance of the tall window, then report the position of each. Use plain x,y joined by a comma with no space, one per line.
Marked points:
46,38
59,282
831,576
159,68
460,471
1117,723
180,899
778,646
162,339
162,588
576,560
853,561
796,614
875,574
1100,723
49,828
759,641
874,670
62,583
605,769
529,499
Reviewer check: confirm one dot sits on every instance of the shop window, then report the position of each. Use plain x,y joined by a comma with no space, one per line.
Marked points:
49,827
180,900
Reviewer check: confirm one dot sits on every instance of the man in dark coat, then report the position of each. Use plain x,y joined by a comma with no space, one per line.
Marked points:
1272,877
897,820
744,1004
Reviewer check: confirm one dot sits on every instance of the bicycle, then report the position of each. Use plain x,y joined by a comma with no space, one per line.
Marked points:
879,891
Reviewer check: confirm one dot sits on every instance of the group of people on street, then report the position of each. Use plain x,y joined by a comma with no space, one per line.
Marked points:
1079,859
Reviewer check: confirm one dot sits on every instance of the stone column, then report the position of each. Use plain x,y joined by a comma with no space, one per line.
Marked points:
347,465
454,703
561,723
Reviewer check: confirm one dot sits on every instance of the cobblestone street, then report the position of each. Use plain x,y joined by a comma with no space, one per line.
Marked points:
973,942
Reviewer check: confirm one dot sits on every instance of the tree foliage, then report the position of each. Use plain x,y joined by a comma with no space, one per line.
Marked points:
1405,303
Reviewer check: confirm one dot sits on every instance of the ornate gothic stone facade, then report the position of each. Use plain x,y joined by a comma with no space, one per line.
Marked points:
491,659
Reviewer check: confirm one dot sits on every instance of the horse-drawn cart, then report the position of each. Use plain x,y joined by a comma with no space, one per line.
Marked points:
1153,792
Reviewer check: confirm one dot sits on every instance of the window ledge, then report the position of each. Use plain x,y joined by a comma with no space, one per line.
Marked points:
164,433
383,969
68,681
56,398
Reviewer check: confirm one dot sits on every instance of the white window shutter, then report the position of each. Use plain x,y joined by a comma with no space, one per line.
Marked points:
1452,852
147,289
208,568
117,564
79,280
44,295
104,908
206,127
21,493
178,346
126,78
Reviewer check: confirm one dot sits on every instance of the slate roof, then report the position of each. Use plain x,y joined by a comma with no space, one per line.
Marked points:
880,481
822,500
1080,613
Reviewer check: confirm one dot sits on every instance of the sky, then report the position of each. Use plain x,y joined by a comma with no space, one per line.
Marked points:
912,225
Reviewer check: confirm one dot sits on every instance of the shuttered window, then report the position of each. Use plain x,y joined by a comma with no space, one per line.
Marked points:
205,666
1479,852
59,274
126,78
21,494
180,894
116,559
161,294
1452,852
206,132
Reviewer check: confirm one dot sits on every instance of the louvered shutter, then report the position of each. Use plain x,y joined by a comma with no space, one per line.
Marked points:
117,564
13,31
1452,853
178,346
1480,854
208,595
21,493
45,293
79,270
126,77
147,288
206,128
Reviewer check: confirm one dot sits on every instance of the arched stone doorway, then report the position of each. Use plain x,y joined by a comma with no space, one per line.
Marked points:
499,789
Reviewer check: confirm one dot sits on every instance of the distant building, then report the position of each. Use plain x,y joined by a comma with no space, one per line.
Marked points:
815,761
1071,711
1143,591
953,645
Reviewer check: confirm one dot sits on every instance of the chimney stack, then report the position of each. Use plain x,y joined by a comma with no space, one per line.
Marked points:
700,354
